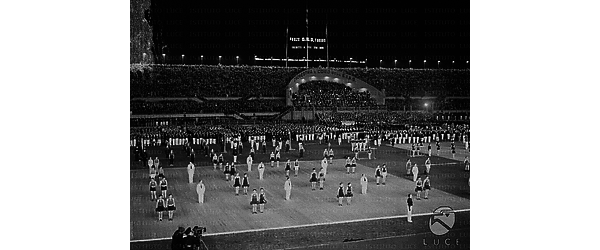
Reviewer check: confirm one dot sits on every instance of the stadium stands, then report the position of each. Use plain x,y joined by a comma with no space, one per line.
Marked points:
252,86
409,82
239,81
329,94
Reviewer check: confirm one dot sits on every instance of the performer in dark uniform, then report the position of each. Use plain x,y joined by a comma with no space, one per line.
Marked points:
277,157
378,174
429,149
330,155
348,164
215,160
272,158
233,169
163,187
384,173
246,184
254,200
235,151
296,167
171,206
467,164
161,173
453,150
153,185
437,144
152,172
349,193
321,179
419,187
353,164
160,207
426,186
288,168
220,161
236,183
340,194
262,200
227,171
313,179
409,205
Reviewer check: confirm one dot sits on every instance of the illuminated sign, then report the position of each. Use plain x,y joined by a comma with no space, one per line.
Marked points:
307,39
310,47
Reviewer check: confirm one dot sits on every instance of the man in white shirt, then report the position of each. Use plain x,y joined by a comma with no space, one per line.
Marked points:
288,188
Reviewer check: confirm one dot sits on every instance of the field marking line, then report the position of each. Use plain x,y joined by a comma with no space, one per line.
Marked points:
354,241
308,225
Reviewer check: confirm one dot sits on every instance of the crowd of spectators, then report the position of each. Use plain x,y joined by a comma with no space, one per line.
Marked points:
209,81
240,81
428,104
211,106
454,104
329,94
411,82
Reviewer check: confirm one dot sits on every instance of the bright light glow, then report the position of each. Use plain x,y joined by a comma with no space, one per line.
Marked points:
409,60
426,104
219,56
467,61
237,56
163,54
438,61
424,60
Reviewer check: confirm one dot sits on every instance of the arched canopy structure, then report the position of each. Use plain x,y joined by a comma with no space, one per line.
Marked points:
331,76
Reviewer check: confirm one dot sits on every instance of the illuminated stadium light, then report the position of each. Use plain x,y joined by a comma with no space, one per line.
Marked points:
426,104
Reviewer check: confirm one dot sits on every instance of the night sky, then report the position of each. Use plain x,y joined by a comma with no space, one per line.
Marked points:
414,31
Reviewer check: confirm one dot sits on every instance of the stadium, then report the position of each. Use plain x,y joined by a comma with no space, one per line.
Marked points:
313,100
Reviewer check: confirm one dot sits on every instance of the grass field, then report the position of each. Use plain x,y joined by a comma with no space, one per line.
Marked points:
447,175
376,234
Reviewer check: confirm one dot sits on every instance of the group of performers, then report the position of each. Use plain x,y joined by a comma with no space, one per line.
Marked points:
258,200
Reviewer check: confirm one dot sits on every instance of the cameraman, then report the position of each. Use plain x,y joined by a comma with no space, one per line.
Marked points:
195,240
177,240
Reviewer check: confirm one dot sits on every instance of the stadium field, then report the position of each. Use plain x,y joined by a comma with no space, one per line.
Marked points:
316,208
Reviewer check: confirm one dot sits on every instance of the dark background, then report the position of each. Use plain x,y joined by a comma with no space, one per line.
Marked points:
361,30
